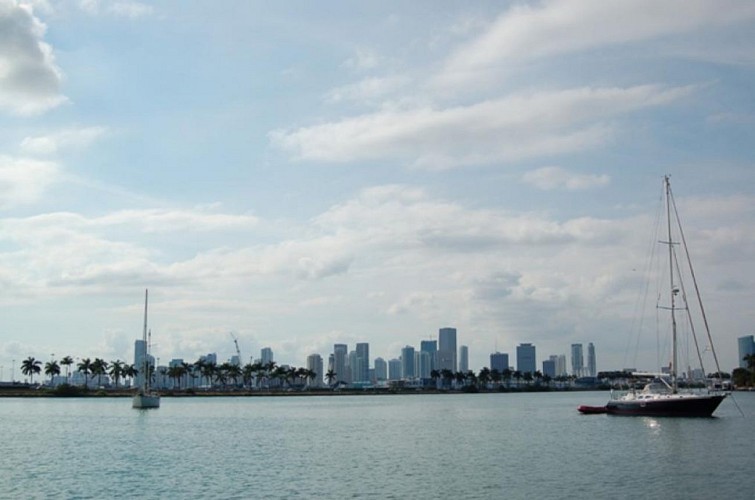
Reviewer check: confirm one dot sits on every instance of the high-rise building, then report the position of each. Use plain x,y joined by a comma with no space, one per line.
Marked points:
463,359
577,360
591,364
381,369
408,371
746,346
559,363
394,369
549,368
525,358
361,373
430,347
314,363
499,361
340,351
447,349
424,362
266,355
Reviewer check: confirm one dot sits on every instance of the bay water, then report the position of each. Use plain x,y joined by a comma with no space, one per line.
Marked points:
529,445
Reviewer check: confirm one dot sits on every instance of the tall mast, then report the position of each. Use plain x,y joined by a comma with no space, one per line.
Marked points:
146,296
672,289
145,384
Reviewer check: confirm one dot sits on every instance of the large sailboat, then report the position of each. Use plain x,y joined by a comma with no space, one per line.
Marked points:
662,396
144,397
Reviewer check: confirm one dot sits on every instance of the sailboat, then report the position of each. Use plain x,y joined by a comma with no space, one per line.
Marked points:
662,395
144,397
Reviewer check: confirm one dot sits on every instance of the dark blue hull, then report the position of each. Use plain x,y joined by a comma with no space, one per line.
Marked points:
698,406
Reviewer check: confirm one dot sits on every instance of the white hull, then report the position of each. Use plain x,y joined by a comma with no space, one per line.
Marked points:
146,401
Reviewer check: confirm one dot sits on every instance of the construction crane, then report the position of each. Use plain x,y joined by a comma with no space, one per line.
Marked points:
236,343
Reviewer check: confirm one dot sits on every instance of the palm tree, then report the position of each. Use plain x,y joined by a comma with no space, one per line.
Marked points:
495,376
176,372
116,371
99,368
85,367
209,370
52,368
130,371
447,376
506,376
67,362
435,375
460,377
484,376
31,366
330,376
518,376
188,372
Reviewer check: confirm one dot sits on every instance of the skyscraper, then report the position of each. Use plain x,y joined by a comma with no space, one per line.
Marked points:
463,359
499,361
525,358
381,369
266,355
361,372
340,351
591,365
407,363
314,363
577,360
431,348
447,349
549,368
746,346
394,369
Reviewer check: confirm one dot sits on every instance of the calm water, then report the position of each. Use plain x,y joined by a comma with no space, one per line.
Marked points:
438,446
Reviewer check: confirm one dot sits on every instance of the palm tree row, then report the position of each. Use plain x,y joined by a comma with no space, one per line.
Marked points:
97,368
252,375
485,377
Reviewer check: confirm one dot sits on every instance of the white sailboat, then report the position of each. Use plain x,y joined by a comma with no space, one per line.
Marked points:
662,396
144,397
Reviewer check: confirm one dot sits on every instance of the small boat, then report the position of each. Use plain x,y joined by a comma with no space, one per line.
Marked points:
145,398
592,410
663,396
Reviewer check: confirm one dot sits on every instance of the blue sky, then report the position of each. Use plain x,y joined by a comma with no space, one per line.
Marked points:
306,173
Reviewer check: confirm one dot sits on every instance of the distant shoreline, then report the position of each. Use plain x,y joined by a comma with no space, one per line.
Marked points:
76,392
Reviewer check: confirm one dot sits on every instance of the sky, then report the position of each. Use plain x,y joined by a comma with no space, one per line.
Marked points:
298,174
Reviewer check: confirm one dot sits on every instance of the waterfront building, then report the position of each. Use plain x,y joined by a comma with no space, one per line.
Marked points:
408,371
499,361
361,372
746,346
463,359
447,349
394,369
591,365
430,347
549,368
560,361
577,360
339,362
266,355
525,358
314,363
381,370
425,365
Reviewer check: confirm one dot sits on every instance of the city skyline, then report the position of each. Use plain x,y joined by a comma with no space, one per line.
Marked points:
305,176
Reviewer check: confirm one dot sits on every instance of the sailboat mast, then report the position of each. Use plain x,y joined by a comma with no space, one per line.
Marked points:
672,289
145,371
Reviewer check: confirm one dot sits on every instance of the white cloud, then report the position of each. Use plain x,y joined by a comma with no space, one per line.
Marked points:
367,89
557,27
23,181
29,79
128,9
65,139
518,126
548,178
364,59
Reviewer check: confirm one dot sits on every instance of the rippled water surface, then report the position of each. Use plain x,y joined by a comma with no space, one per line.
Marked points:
423,446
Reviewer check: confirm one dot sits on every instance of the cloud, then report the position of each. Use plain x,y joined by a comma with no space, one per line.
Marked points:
65,139
549,178
525,125
128,9
29,79
368,89
553,28
23,181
